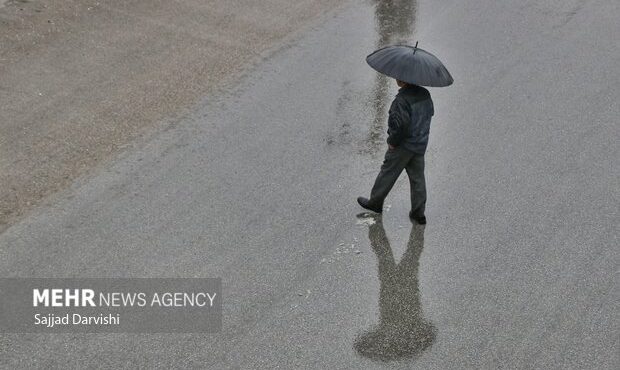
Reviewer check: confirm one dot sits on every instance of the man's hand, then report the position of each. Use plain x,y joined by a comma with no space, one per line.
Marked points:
391,147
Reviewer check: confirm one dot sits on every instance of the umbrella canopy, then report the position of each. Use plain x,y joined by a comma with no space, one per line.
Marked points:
410,64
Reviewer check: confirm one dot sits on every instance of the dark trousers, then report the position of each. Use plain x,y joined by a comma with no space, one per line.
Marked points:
397,160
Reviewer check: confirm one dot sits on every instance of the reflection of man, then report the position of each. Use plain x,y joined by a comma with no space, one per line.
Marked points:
402,331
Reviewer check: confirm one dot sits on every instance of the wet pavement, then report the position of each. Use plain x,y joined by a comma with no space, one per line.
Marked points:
517,267
81,80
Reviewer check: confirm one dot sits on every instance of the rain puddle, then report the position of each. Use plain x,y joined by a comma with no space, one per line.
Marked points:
366,220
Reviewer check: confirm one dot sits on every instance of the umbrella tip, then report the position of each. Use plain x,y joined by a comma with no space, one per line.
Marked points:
415,47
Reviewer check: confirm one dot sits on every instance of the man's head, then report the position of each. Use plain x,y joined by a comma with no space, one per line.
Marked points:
401,83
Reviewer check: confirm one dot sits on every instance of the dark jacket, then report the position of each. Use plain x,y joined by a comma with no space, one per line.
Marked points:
410,119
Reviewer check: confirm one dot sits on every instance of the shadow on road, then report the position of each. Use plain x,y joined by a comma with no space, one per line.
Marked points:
402,332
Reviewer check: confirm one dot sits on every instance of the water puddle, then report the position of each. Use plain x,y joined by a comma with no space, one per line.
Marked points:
395,24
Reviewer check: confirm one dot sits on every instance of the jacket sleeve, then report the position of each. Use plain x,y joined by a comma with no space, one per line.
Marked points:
398,121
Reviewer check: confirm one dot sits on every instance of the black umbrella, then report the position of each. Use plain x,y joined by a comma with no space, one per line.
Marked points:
410,64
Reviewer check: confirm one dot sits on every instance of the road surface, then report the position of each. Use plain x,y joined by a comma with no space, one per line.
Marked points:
517,267
80,79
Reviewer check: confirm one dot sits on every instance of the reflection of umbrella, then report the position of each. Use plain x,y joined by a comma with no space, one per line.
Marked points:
410,64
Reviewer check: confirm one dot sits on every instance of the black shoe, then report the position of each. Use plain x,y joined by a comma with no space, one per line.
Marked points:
364,203
419,219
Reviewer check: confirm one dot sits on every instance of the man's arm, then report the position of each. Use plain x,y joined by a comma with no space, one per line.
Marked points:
398,122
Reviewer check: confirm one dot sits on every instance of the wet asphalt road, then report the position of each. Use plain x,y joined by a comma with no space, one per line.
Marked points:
517,268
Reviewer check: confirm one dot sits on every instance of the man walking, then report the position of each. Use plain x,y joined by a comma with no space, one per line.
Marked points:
408,130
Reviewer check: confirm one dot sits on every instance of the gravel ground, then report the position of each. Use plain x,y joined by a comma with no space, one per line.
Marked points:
81,79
